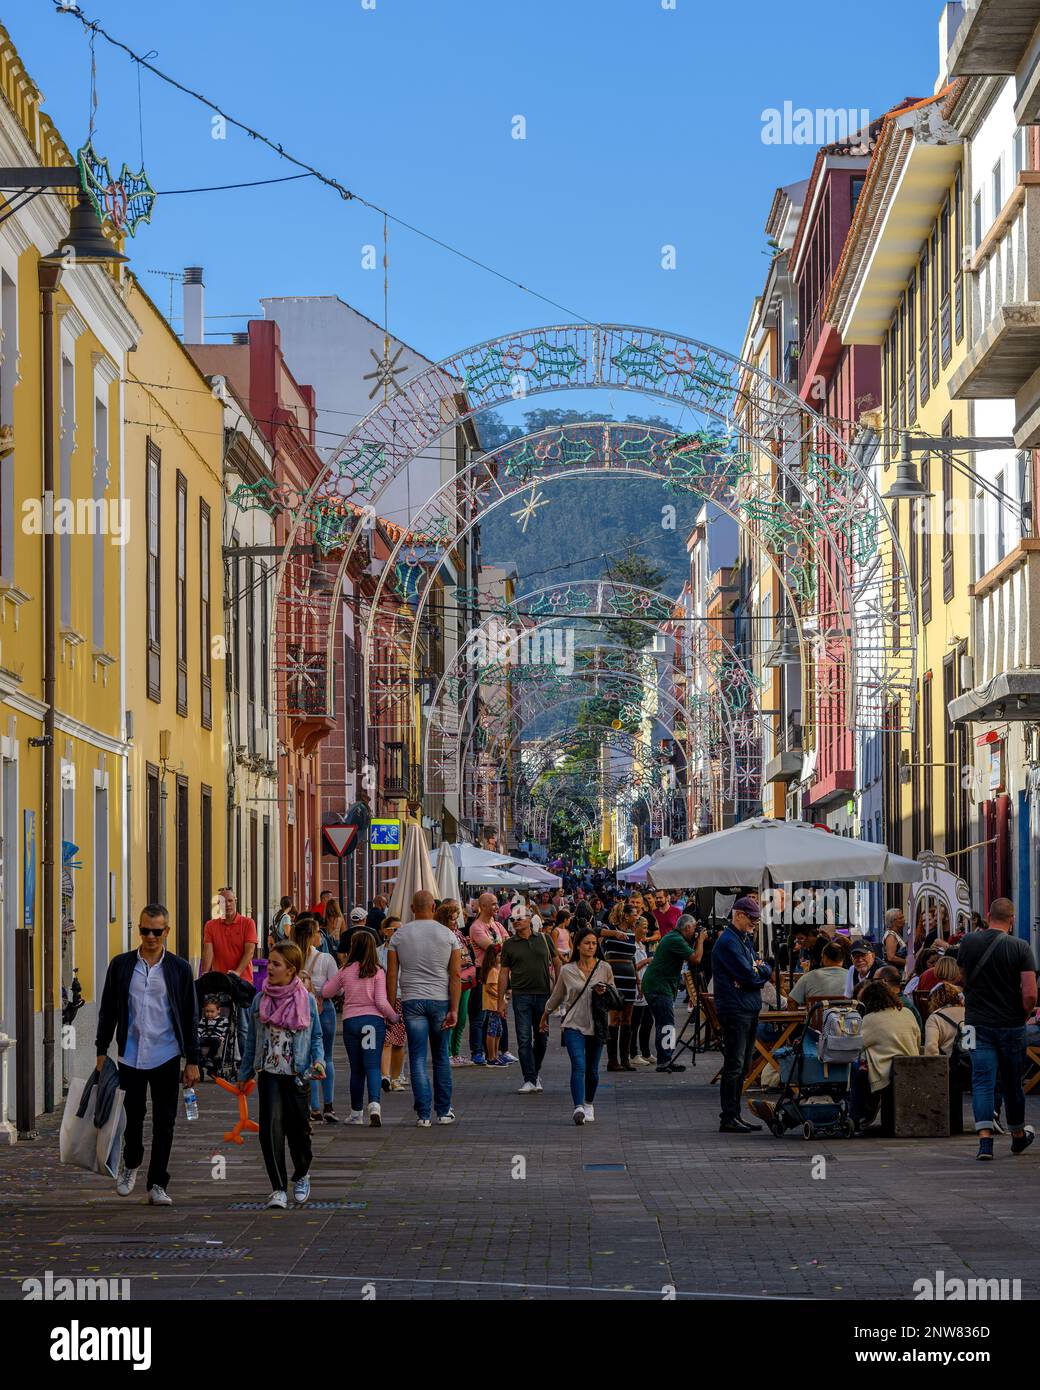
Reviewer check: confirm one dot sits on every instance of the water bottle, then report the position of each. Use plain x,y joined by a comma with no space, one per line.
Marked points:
191,1104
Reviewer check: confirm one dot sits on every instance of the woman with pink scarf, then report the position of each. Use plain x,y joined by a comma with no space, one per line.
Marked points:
283,1048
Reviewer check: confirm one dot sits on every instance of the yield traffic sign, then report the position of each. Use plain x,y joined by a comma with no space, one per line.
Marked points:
339,839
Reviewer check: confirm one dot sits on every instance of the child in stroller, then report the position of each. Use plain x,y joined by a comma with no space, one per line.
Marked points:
218,1023
213,1036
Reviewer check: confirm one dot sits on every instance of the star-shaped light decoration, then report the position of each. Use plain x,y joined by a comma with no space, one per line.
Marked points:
386,372
527,510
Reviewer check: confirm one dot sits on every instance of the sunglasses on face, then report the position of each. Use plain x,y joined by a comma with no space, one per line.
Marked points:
151,931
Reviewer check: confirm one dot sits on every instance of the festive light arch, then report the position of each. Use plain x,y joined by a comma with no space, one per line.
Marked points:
734,687
815,492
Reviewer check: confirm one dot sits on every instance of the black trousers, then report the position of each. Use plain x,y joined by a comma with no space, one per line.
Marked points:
738,1049
284,1119
642,1026
164,1084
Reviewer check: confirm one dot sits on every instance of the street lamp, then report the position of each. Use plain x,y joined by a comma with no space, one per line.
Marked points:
786,652
906,483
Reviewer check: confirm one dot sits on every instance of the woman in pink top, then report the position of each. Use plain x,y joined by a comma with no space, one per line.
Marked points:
366,1012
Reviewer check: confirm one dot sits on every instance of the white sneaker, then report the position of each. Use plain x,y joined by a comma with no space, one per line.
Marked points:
579,1114
125,1179
356,1117
424,1124
159,1197
301,1191
448,1119
528,1089
538,1084
508,1058
399,1084
590,1114
375,1114
279,1200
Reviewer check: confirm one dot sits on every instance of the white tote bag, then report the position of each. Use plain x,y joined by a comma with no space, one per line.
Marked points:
83,1144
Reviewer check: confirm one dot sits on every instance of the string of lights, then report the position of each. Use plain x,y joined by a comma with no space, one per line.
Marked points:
309,170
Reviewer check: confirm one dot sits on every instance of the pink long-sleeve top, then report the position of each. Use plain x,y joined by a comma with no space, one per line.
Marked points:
360,996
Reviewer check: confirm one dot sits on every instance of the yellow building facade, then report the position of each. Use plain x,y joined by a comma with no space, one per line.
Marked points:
62,941
902,287
178,762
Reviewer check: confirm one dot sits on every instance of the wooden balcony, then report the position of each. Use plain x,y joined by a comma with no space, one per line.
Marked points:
1003,361
1000,38
1005,641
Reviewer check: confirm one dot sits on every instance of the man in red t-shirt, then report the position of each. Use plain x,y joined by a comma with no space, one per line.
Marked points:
665,914
229,942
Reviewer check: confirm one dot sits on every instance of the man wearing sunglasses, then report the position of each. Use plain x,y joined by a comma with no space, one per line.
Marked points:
149,1004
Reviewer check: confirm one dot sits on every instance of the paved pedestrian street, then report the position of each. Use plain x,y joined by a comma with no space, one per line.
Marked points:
516,1202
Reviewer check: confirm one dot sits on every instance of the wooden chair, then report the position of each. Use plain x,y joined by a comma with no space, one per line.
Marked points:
1033,1056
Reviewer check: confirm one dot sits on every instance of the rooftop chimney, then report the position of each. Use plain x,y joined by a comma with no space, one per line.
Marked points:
194,313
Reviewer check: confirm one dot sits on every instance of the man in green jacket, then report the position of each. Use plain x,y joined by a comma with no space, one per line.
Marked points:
660,980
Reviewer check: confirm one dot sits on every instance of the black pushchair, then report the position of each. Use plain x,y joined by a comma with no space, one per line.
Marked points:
218,1038
816,1073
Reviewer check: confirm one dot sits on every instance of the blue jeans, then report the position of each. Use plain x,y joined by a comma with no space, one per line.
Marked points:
585,1054
424,1024
998,1051
365,1062
327,1019
531,1042
662,1006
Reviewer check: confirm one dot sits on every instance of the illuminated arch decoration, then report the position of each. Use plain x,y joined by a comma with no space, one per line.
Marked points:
724,719
810,505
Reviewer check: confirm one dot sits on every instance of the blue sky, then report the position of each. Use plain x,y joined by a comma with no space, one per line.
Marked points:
643,128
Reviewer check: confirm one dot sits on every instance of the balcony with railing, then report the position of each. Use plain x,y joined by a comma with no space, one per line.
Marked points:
788,755
1004,356
1005,674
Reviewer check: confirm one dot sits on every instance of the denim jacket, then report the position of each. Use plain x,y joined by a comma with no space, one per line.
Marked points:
737,981
308,1047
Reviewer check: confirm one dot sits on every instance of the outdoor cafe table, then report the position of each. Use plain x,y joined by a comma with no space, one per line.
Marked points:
789,1021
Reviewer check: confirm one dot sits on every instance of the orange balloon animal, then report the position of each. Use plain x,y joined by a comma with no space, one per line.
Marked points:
245,1124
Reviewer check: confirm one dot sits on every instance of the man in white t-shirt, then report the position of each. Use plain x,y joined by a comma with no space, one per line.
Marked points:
422,970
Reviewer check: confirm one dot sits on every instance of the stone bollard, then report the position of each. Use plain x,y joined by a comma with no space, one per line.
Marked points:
8,1131
920,1097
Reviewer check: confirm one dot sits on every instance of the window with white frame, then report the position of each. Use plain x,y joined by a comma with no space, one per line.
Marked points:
976,221
997,184
100,522
8,376
1019,151
68,444
1001,502
980,534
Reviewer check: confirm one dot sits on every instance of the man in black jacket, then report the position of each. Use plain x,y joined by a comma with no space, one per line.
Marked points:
149,1004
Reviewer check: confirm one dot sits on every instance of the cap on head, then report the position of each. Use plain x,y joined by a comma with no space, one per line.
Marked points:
749,907
863,948
358,914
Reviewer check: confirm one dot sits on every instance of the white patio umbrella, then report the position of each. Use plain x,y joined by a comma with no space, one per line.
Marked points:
635,873
785,851
542,878
448,877
468,857
415,872
497,878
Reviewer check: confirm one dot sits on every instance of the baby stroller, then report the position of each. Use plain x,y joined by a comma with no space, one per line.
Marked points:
816,1073
218,1039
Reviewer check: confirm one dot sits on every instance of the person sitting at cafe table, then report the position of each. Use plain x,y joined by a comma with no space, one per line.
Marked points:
830,978
943,970
945,1016
863,968
889,1031
889,975
892,944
